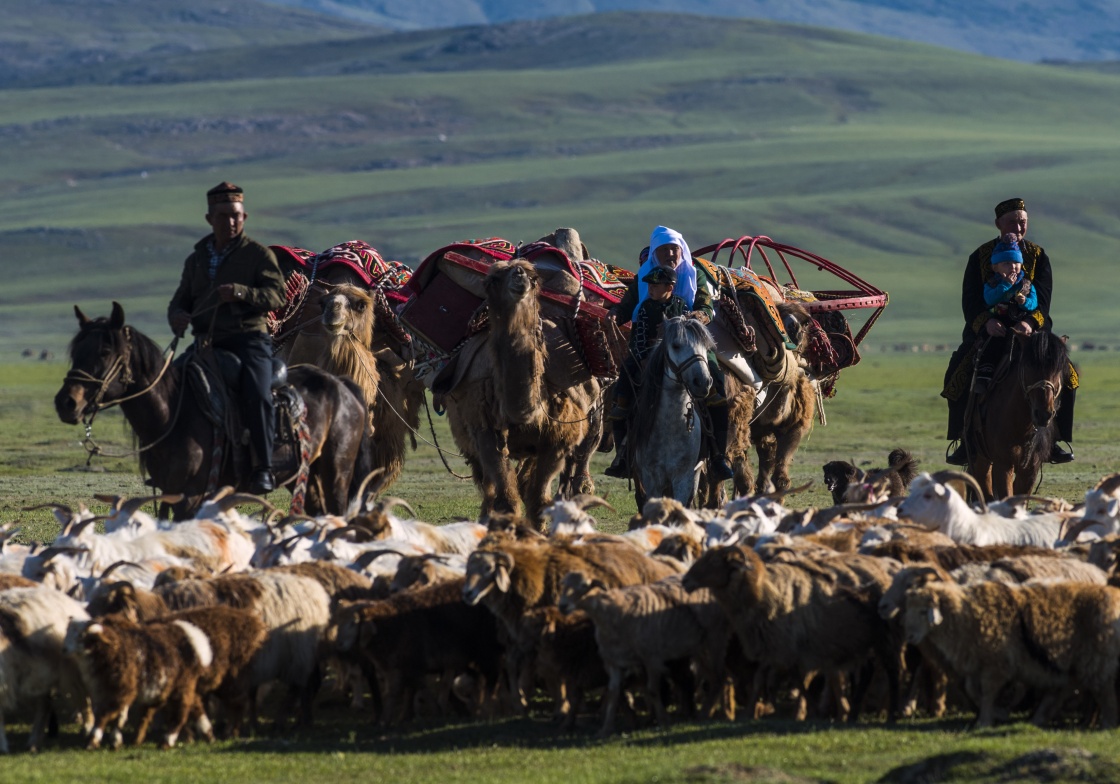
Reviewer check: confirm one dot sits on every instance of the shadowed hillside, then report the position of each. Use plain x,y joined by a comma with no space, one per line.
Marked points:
1027,30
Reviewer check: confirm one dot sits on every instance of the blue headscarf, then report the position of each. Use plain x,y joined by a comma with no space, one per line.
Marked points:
685,269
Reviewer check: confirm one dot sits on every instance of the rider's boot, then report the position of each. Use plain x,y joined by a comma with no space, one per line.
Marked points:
719,469
982,380
619,418
1063,423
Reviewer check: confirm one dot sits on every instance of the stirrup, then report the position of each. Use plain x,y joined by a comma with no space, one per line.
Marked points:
619,469
959,456
1059,455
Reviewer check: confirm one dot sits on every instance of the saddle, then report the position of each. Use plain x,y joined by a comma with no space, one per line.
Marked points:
213,377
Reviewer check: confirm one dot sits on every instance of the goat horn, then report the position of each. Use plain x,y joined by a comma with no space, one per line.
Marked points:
114,501
1109,484
391,502
78,526
130,506
778,495
221,493
227,502
52,551
587,501
357,503
117,564
968,479
1072,532
365,559
335,533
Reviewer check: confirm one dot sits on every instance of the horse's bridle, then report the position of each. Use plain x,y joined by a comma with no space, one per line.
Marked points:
1047,384
673,370
121,366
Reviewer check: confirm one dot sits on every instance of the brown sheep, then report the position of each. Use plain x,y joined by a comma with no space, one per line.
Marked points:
125,665
802,617
418,633
647,626
1054,636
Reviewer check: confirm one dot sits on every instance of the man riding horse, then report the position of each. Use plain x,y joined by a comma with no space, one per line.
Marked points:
229,285
982,322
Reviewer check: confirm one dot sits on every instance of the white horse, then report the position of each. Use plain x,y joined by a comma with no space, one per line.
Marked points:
666,433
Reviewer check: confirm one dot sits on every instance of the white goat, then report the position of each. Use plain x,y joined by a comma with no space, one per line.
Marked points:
934,505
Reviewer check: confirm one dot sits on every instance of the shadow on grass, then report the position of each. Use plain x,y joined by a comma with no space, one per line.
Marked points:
338,732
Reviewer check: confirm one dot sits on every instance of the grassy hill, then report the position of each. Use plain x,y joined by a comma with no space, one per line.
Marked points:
1027,30
881,155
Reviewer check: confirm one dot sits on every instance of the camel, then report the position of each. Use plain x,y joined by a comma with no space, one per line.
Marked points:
392,395
773,414
504,409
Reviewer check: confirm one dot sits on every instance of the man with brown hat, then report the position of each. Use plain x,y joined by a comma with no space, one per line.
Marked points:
980,322
229,285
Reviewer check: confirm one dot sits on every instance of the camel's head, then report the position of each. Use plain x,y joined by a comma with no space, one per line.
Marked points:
347,309
509,282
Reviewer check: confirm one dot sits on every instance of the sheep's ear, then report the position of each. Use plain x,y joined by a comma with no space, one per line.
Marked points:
501,577
95,630
935,616
1112,508
597,584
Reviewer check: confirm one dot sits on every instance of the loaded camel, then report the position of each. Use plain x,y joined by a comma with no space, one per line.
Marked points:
392,395
505,410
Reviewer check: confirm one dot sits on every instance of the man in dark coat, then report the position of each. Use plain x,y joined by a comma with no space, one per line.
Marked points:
980,322
229,285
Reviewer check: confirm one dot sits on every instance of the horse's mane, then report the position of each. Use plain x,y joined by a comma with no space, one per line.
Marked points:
1046,353
644,423
145,353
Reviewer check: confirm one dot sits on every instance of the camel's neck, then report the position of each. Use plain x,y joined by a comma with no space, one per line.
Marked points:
517,348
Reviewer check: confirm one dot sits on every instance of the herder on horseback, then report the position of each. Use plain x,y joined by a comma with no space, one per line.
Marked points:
993,312
681,288
229,285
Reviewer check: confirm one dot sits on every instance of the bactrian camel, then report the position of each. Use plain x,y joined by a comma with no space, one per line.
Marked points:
392,395
504,409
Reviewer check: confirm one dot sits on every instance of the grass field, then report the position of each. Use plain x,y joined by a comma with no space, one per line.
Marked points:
888,400
884,156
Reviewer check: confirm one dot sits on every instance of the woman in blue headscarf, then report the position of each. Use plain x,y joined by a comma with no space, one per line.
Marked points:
695,289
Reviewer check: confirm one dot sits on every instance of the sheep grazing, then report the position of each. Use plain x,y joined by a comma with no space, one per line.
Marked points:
805,616
294,609
645,627
428,631
33,665
126,665
1054,636
934,505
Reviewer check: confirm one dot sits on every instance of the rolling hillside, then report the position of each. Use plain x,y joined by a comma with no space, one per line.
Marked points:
1027,30
884,156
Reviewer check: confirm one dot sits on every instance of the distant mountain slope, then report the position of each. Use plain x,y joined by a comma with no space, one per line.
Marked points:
1030,30
41,37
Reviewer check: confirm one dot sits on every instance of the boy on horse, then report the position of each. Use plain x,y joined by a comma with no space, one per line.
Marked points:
229,285
669,285
990,311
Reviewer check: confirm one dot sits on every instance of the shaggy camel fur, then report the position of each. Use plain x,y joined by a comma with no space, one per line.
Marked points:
391,393
504,410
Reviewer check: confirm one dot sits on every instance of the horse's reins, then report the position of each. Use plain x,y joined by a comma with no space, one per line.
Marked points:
121,366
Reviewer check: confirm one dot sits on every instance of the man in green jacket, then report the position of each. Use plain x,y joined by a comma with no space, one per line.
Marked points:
229,285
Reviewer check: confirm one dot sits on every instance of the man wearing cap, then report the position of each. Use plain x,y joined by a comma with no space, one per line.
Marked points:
229,285
981,321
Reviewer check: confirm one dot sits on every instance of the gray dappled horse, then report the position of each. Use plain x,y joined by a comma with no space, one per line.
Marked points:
666,432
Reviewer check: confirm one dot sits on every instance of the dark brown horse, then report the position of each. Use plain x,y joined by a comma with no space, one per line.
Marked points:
1009,435
112,362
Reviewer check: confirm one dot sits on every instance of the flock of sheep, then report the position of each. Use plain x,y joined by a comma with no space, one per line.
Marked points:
892,604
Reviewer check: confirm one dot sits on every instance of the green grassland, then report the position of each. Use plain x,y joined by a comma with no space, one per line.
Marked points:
883,156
